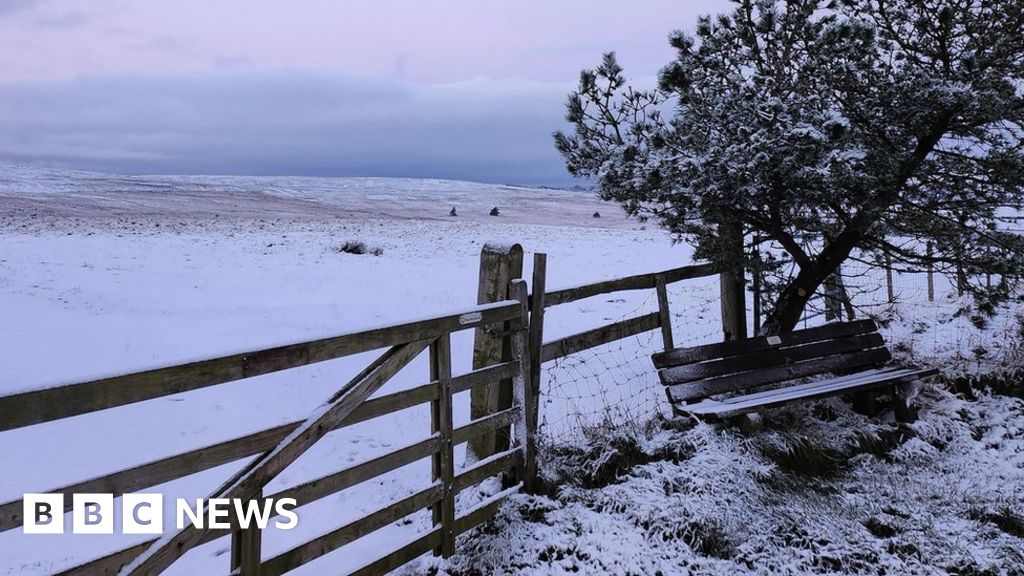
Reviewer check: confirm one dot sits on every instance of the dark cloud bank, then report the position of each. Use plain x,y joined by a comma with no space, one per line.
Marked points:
288,123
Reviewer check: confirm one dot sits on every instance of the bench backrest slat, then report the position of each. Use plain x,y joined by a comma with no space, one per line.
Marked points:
768,358
696,373
733,382
682,356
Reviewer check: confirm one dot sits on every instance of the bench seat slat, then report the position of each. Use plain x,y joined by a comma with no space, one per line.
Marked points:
828,381
683,356
755,378
804,392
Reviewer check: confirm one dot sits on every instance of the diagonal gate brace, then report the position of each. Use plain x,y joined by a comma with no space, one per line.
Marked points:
251,479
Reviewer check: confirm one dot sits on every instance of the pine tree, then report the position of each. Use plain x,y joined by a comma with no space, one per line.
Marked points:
833,130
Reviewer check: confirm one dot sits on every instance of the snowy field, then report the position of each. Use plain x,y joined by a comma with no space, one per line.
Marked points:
104,274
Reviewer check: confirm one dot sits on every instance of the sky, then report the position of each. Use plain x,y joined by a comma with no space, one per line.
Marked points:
464,89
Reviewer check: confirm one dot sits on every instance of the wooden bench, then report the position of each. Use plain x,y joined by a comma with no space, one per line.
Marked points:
853,354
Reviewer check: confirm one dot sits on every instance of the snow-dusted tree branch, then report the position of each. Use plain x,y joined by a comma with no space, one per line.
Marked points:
826,127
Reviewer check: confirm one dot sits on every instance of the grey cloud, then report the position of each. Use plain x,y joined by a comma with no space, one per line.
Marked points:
11,6
288,123
66,20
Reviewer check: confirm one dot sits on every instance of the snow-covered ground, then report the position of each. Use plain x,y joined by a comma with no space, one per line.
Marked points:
106,277
103,274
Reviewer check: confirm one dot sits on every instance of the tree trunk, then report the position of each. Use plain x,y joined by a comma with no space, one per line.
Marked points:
791,302
793,298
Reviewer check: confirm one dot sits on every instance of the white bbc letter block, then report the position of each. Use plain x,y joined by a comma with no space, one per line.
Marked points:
92,514
142,514
43,513
218,508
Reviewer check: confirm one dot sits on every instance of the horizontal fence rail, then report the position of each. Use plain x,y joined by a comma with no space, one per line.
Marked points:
540,300
638,282
44,405
601,335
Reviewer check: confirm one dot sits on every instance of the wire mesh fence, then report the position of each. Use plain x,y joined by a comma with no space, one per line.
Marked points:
926,322
615,385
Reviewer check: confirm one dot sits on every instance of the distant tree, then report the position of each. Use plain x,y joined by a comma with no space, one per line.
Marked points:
829,129
494,211
453,213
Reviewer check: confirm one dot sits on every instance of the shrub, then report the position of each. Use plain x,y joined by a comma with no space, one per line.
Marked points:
358,247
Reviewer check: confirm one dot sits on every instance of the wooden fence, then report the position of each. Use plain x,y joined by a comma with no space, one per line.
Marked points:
516,321
281,445
541,299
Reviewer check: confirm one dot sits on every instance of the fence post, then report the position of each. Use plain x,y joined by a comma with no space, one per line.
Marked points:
665,319
733,297
246,547
443,465
833,305
539,286
756,285
526,428
499,265
931,272
888,278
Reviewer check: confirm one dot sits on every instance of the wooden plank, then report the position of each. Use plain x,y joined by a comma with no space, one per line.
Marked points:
303,493
598,336
502,419
111,564
390,403
767,359
664,316
638,282
44,405
828,381
799,394
488,467
326,543
484,510
721,385
246,549
536,338
326,485
402,556
681,356
484,376
443,466
158,471
522,388
180,465
499,265
262,470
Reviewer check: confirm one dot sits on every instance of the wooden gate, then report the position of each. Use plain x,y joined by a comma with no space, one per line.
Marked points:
278,447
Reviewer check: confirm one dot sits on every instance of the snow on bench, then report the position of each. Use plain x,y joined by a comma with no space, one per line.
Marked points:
853,354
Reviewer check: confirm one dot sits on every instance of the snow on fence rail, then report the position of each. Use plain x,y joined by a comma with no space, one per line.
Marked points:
282,444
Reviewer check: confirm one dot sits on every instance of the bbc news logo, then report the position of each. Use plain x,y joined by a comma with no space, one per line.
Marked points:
144,513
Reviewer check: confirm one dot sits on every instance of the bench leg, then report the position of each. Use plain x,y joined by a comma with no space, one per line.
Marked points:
901,407
864,403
